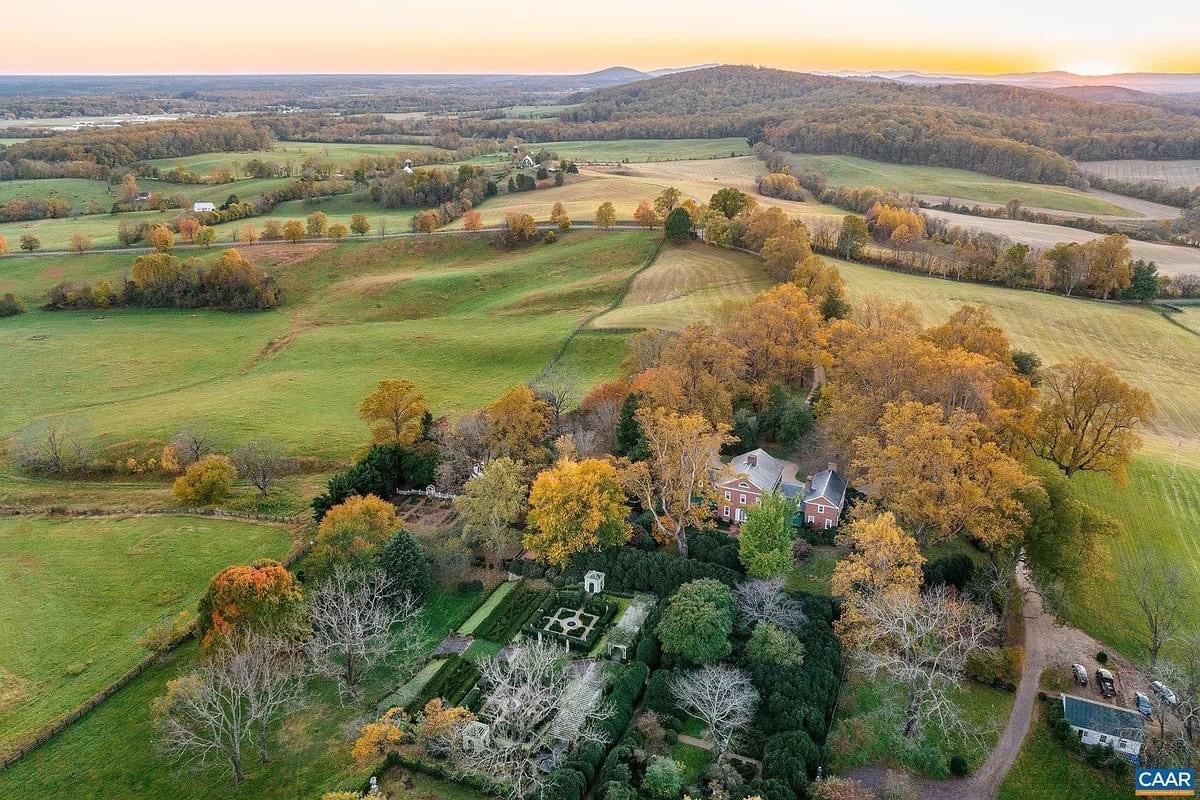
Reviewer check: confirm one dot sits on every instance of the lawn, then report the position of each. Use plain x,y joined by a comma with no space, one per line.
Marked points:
938,183
1160,514
353,315
687,283
481,613
110,752
76,594
867,729
814,573
1044,771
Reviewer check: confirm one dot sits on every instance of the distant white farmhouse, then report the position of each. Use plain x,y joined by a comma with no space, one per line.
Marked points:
199,207
527,162
1119,728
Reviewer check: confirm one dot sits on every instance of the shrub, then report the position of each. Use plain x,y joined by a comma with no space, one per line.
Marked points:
773,646
698,621
638,570
792,758
207,481
550,237
1102,657
619,790
662,780
658,694
563,784
1000,668
403,561
452,682
959,766
10,306
955,570
469,587
714,547
511,613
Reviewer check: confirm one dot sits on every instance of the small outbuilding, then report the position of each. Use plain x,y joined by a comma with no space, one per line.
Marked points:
203,207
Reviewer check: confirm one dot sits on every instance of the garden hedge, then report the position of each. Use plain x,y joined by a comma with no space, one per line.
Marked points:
641,571
511,613
453,681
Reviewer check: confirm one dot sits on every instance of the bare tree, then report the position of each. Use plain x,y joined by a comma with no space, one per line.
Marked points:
559,387
1181,675
765,600
921,643
466,449
357,622
53,446
228,703
1161,594
193,443
824,233
720,695
261,462
532,705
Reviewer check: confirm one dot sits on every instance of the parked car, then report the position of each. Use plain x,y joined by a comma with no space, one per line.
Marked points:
1163,691
1079,673
1143,704
1105,683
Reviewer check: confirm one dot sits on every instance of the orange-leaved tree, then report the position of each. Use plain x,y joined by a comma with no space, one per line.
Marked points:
262,597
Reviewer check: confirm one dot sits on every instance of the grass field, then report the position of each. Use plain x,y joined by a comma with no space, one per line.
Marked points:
460,319
686,284
283,152
1173,173
1044,771
1190,318
111,753
942,182
76,594
634,150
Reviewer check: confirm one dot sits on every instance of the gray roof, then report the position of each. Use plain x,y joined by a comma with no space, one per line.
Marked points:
1104,718
791,490
829,484
766,472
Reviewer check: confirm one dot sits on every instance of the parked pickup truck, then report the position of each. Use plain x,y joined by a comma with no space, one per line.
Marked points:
1105,682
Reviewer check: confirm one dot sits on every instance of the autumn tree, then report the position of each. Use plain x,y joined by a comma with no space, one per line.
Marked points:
853,237
672,483
730,201
974,329
394,412
666,201
317,223
472,221
337,231
353,532
943,477
30,243
293,230
519,422
780,334
359,225
576,506
3,247
783,252
426,222
187,227
606,215
1108,265
818,278
491,503
602,406
883,559
1088,418
246,234
559,216
127,189
207,481
263,597
766,537
80,243
162,238
272,230
645,215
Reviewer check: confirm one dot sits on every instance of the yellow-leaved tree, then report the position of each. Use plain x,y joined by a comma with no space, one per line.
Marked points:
606,216
353,532
394,411
519,422
672,483
942,477
883,558
576,506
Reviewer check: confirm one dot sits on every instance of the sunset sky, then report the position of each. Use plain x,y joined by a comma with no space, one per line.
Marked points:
273,36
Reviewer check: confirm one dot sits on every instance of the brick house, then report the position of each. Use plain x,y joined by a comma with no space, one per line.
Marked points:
824,498
744,482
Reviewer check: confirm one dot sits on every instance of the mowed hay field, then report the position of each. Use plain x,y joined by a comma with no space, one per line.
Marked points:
943,182
634,150
75,595
1185,173
458,318
687,283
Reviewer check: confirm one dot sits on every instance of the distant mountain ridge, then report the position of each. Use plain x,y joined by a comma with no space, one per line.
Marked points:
1149,82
